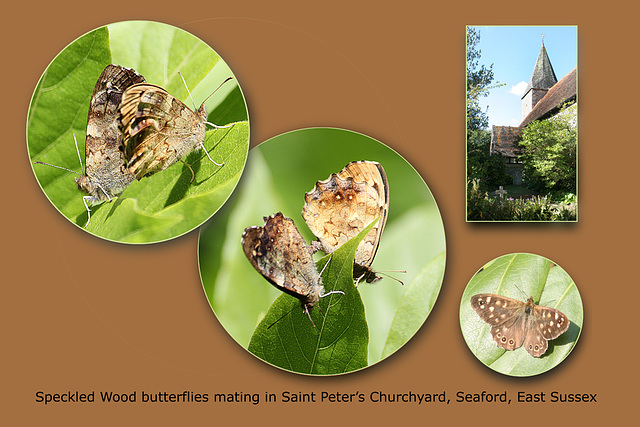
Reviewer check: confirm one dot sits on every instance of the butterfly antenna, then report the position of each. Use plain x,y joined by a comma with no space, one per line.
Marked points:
523,294
282,317
188,91
68,170
384,273
59,167
78,151
219,86
205,100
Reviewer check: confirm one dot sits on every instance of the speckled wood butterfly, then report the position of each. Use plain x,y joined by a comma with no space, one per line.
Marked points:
343,205
514,323
278,252
159,129
106,175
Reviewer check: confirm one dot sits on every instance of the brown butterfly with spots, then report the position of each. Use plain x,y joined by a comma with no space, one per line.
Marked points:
278,252
159,129
341,206
106,175
514,323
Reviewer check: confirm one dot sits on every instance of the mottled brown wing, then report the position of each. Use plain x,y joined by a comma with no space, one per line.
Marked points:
373,174
106,174
506,316
544,324
278,252
158,129
340,207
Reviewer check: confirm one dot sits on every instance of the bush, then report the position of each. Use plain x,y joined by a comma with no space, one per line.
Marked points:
549,154
484,207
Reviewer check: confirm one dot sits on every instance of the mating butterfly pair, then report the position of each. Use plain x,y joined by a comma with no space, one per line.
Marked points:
336,210
134,129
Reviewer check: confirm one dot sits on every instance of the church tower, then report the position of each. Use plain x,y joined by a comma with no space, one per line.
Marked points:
542,79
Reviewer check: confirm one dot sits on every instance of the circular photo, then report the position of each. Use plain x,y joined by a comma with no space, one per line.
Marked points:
521,314
328,257
137,132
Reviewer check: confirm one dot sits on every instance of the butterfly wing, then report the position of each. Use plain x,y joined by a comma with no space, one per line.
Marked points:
373,174
505,316
278,252
340,207
158,129
543,324
105,172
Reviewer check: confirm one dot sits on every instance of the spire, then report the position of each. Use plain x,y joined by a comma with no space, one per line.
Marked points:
543,76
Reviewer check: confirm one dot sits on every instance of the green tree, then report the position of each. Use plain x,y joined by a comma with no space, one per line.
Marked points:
490,170
479,80
548,150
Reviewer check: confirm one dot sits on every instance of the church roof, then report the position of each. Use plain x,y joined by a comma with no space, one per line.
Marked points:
562,92
543,76
504,140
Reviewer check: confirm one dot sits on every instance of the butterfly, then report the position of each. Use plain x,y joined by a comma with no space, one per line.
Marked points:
106,174
159,129
340,207
278,252
514,323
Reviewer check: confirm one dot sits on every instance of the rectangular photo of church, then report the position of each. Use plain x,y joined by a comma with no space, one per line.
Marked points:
522,123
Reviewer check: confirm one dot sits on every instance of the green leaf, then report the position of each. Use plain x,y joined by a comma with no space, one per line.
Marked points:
416,304
520,276
166,204
58,110
338,343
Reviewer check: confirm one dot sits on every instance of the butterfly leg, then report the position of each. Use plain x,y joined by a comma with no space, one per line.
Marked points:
207,153
84,200
193,175
306,310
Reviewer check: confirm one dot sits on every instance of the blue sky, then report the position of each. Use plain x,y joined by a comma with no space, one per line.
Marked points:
513,52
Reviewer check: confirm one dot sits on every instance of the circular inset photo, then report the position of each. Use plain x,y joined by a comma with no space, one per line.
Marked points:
328,257
137,132
521,314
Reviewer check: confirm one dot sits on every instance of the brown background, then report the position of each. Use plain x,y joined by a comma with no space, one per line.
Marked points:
84,314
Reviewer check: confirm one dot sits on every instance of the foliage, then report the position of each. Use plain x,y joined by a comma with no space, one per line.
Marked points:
481,165
337,343
549,154
484,207
479,82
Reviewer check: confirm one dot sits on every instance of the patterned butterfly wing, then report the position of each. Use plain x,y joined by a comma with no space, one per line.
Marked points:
278,252
106,174
341,206
544,324
158,129
505,316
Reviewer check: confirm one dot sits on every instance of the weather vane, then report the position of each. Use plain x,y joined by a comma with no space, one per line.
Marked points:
542,34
